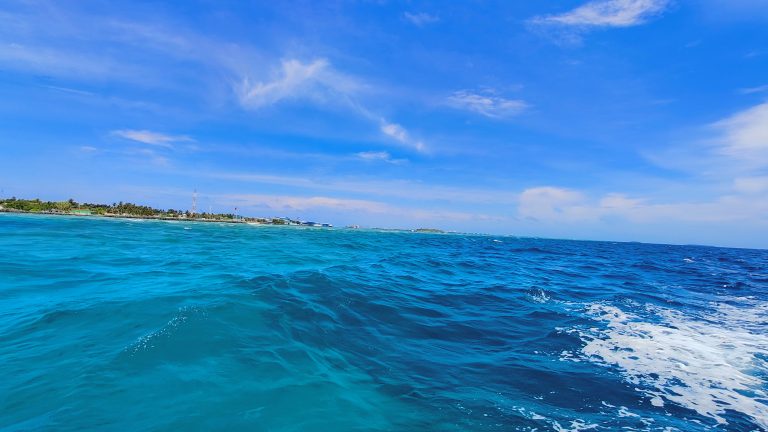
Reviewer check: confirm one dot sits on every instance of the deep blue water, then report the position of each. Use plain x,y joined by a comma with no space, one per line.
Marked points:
134,325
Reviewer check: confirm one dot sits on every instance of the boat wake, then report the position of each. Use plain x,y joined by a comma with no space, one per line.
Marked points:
710,365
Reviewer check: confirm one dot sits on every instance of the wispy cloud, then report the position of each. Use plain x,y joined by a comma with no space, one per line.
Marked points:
88,149
547,202
752,90
70,47
607,13
561,205
744,136
295,79
735,146
151,138
73,91
751,185
398,188
140,50
292,204
60,62
318,82
298,203
420,18
136,156
399,134
487,104
151,156
379,156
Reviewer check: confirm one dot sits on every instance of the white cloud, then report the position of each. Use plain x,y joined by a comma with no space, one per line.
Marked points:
372,155
488,105
421,18
751,185
547,202
380,156
151,138
607,13
399,134
296,80
618,201
735,146
395,131
559,205
744,136
318,82
138,51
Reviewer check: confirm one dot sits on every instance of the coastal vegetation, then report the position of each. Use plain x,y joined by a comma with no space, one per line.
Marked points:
429,230
122,209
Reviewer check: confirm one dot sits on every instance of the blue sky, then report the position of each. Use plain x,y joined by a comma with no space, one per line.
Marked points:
637,120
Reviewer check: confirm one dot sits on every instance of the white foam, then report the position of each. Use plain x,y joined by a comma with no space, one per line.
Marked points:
705,365
575,426
539,296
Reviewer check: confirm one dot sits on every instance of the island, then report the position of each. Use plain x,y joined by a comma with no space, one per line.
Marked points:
136,211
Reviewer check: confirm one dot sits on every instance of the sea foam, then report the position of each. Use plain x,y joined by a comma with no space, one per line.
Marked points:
707,365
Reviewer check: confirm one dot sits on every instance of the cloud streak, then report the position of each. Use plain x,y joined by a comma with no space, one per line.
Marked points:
298,203
488,105
562,205
735,146
400,189
294,80
607,13
381,156
744,136
151,138
420,19
283,203
138,47
318,82
399,134
753,90
65,63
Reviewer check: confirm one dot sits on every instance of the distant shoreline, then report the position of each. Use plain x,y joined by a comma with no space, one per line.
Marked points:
127,210
227,221
130,216
134,211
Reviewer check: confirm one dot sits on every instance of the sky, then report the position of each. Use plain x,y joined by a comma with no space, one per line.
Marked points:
622,120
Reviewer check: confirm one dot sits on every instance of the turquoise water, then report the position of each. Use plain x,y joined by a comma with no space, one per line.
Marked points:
148,325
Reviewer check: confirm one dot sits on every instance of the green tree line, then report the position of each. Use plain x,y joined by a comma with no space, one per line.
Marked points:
119,208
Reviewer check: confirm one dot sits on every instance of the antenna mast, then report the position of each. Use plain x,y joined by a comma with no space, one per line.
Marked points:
194,202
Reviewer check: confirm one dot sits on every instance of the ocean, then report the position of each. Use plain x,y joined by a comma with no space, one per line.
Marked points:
118,324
